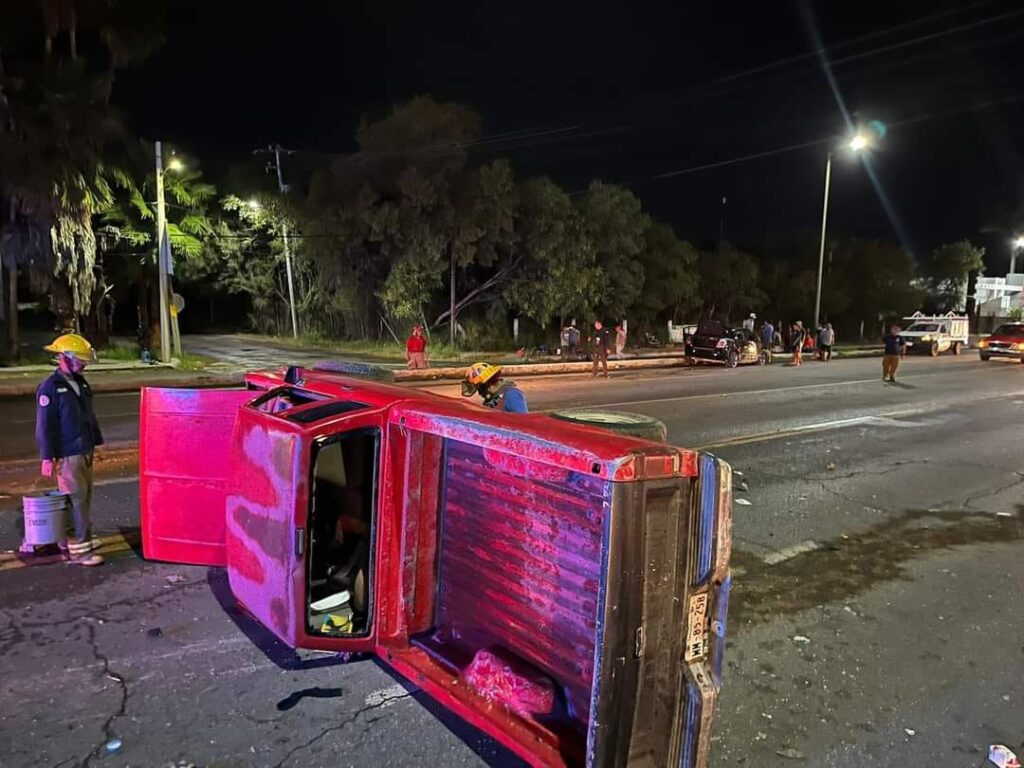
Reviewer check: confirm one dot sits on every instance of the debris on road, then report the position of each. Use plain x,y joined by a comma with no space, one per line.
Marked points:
176,578
113,745
910,731
743,486
1002,756
155,632
801,639
742,502
830,466
790,754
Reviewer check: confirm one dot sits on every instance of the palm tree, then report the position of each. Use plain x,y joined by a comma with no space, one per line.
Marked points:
56,124
127,231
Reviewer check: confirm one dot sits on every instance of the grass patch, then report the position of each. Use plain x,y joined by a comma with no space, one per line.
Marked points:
190,362
123,353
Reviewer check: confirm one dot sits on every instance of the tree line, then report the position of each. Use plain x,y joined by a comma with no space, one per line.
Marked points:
406,229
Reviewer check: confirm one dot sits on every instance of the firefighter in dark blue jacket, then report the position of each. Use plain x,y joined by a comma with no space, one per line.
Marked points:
67,434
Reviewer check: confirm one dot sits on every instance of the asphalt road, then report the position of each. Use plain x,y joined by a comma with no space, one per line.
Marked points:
877,618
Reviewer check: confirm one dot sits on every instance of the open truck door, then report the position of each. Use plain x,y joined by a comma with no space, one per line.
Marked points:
302,518
184,468
559,587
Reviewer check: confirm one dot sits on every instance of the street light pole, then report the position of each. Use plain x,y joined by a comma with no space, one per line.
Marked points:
821,250
161,224
1015,247
276,149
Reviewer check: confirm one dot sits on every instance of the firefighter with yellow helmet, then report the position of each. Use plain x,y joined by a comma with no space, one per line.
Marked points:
67,433
486,380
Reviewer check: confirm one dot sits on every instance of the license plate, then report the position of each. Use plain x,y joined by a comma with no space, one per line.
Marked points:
697,627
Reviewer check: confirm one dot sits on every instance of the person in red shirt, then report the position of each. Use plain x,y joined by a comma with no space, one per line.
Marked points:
416,348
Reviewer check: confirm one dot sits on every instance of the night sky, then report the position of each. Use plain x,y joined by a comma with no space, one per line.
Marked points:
629,91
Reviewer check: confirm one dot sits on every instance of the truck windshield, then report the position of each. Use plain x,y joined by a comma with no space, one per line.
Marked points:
923,328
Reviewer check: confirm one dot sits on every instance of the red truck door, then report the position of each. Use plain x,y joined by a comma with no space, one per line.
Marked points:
301,518
184,457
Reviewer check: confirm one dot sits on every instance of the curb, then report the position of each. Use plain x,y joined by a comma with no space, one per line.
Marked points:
98,383
544,369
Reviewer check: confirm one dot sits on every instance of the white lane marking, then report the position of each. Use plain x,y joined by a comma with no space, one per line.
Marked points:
117,481
386,697
788,553
749,392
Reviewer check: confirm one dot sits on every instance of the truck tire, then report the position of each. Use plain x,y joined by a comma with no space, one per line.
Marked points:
620,422
734,359
934,349
355,370
985,358
957,347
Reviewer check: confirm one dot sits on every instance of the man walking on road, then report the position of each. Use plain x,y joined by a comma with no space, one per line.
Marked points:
67,433
416,349
895,346
599,343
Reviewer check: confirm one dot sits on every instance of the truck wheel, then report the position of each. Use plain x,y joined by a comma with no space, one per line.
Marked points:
733,359
632,424
356,370
957,347
934,350
985,358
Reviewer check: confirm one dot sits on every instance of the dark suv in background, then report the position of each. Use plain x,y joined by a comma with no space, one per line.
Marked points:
713,342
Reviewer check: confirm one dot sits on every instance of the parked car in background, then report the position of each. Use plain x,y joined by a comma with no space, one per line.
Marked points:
713,342
935,334
1005,341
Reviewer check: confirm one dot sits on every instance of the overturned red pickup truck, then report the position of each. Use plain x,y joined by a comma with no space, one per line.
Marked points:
562,588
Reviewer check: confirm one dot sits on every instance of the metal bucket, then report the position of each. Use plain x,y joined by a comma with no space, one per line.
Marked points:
44,517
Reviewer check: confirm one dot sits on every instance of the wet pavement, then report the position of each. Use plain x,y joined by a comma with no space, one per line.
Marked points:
877,615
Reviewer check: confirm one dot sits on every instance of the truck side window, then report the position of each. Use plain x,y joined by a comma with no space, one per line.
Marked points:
342,522
284,399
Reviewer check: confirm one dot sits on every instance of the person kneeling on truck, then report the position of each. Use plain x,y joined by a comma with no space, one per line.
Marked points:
486,380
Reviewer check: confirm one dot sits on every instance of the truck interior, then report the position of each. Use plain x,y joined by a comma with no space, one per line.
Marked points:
341,531
508,599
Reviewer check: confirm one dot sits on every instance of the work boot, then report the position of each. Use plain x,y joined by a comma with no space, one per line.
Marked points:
84,547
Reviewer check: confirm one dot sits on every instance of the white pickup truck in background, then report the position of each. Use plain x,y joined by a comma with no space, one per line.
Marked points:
935,334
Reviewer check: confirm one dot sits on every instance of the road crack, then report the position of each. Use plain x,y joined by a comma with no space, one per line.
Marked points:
340,726
108,732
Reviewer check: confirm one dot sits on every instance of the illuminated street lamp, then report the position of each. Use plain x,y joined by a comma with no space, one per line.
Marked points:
163,258
1015,247
856,144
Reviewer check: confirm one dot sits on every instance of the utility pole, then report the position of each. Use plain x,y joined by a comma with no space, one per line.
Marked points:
821,251
161,226
275,150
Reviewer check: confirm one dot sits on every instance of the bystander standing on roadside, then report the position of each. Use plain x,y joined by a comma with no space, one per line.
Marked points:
826,338
748,324
599,343
895,347
620,341
574,340
67,434
767,335
796,342
777,338
416,349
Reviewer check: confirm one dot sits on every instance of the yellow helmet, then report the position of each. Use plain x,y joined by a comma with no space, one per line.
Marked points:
481,373
74,344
